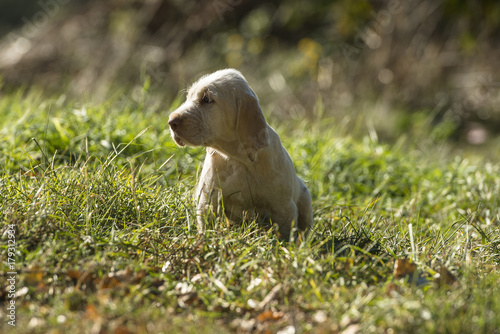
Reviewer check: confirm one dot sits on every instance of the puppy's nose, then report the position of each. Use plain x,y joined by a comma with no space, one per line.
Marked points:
174,122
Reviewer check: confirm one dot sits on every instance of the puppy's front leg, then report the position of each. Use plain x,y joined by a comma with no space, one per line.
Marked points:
201,213
286,219
202,207
304,206
206,200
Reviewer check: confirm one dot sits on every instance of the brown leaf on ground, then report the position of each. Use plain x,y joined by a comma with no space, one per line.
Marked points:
445,278
74,274
116,279
81,277
403,268
269,316
34,276
91,312
122,330
187,299
109,282
392,290
139,276
123,275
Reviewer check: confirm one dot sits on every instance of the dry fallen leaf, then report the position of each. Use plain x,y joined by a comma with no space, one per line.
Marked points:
187,299
392,290
116,279
109,282
123,275
91,312
74,274
139,276
81,277
445,278
269,316
403,268
406,269
34,276
121,330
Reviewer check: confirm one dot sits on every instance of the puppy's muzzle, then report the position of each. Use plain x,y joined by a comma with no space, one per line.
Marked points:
174,122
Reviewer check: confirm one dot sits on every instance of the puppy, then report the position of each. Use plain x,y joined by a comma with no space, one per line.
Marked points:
247,172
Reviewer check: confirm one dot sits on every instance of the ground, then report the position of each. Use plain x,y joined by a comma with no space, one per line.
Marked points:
97,198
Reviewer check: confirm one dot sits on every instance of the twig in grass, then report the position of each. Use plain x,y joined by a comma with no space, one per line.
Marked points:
412,242
166,162
269,297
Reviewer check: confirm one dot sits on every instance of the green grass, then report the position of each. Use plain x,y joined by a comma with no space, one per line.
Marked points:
105,236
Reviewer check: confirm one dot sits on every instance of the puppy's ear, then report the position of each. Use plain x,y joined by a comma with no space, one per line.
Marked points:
251,126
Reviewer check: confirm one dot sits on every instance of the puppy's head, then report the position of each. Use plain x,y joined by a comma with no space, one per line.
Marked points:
221,111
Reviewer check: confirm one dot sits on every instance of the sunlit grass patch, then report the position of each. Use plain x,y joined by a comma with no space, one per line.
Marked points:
101,201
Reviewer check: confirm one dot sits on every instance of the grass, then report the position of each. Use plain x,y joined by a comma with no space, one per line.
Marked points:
100,198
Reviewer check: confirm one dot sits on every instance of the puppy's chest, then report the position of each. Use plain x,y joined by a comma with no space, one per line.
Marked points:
239,186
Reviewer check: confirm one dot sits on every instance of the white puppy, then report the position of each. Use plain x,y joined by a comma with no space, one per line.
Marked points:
246,169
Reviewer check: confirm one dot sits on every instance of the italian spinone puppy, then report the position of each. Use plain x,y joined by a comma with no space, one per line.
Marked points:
247,172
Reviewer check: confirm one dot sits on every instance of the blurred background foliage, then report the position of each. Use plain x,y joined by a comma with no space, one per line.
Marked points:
423,69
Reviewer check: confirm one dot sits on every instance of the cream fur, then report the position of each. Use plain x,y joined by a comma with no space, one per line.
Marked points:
246,169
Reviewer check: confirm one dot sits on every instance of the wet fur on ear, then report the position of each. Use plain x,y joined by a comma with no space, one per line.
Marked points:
251,126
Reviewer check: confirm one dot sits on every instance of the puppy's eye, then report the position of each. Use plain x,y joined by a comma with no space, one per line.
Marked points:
206,99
